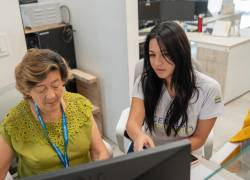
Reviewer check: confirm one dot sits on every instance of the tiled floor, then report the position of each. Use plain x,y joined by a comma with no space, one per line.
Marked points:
226,125
232,120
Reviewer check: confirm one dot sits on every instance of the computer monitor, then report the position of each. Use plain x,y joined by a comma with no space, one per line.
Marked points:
170,161
151,12
148,13
201,7
181,10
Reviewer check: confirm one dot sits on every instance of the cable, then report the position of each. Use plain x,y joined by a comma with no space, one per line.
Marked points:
67,33
65,9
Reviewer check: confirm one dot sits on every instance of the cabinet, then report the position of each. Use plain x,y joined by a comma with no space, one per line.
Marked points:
88,86
226,59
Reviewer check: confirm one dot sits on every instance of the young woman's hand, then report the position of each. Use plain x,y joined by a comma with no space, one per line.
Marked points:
142,140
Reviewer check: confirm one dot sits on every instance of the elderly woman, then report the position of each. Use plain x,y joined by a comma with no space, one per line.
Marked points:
50,128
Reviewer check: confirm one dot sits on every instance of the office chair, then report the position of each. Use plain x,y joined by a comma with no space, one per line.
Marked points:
122,137
9,97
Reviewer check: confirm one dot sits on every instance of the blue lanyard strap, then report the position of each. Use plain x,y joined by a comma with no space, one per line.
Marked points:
63,158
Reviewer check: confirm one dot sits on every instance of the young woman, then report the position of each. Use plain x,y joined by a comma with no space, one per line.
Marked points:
170,99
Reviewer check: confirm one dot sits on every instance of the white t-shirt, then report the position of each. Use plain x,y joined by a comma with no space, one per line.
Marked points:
208,105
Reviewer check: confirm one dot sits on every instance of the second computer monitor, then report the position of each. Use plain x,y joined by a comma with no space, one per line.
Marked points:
156,11
181,10
201,7
148,13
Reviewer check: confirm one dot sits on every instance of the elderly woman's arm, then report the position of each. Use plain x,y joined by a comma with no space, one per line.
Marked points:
98,148
6,155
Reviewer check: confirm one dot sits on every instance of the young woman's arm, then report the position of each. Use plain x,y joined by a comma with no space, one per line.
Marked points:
6,155
134,125
201,133
98,149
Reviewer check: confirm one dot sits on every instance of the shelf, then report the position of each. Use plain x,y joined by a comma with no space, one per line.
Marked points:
88,86
42,28
83,76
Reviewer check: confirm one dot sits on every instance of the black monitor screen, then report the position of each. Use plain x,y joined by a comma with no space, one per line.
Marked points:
153,12
181,10
148,13
201,7
170,161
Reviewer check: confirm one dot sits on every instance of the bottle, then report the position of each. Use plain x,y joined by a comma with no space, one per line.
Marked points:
200,23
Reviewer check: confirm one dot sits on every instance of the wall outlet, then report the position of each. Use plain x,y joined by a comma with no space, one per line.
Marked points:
3,45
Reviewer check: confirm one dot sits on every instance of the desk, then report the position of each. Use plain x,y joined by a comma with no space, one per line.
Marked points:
235,19
226,59
204,168
232,17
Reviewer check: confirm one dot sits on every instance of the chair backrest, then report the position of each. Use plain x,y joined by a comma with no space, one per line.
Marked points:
9,97
8,177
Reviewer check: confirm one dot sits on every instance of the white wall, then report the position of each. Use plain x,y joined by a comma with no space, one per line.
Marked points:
106,42
132,39
11,26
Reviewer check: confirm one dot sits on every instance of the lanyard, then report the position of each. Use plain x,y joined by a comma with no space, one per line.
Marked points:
63,158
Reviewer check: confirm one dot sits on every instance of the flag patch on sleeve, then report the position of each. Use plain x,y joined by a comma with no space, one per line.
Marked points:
217,99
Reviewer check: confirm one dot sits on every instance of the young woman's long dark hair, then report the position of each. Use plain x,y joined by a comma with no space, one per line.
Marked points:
171,38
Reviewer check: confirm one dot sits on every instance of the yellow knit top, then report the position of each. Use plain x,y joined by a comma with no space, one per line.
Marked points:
23,132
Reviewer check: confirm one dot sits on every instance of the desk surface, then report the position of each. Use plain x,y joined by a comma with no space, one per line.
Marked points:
204,168
229,42
222,17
